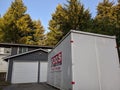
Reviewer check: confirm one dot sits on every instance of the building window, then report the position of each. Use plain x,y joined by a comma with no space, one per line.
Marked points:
22,49
19,50
1,50
5,50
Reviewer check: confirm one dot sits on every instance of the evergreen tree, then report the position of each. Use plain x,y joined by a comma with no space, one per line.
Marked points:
25,28
104,20
107,20
9,28
70,16
55,33
1,33
117,21
18,27
78,17
38,36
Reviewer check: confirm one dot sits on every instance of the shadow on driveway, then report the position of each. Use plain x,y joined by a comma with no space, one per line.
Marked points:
41,86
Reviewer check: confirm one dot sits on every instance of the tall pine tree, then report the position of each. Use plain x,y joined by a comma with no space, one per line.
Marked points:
9,28
38,36
107,20
70,16
55,33
117,21
104,20
17,27
1,32
25,28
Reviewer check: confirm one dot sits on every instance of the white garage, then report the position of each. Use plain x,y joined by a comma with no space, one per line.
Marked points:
29,67
25,72
43,71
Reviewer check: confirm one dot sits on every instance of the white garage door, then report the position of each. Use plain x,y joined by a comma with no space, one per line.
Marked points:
43,71
25,72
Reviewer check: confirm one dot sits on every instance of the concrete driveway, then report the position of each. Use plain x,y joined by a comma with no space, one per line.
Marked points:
41,86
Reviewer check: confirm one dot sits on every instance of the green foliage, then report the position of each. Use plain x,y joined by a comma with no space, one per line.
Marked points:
78,17
17,27
107,20
1,33
55,33
104,19
38,36
117,21
25,27
70,16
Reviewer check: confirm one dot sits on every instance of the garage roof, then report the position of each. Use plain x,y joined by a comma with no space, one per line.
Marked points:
21,54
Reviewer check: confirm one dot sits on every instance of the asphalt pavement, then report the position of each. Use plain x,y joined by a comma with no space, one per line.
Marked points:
35,86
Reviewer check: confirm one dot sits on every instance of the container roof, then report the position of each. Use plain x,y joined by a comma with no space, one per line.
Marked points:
92,34
85,33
